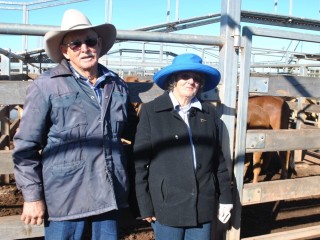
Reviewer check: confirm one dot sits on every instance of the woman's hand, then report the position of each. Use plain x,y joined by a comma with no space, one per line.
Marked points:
150,219
224,212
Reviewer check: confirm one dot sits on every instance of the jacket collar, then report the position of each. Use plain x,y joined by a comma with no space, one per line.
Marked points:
61,69
163,103
194,102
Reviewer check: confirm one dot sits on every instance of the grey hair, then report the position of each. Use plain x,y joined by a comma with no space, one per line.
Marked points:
172,82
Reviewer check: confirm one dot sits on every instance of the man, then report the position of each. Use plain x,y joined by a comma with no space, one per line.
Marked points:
69,159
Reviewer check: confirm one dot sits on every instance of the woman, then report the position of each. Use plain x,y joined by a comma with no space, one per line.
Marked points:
180,169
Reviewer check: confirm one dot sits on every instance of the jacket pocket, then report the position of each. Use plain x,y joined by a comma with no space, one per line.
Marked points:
215,185
63,187
164,190
119,116
66,169
67,111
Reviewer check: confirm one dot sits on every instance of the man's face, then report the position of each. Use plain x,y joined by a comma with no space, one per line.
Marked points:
82,48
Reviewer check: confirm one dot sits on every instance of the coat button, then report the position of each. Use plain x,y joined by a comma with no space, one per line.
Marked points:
176,137
198,166
92,97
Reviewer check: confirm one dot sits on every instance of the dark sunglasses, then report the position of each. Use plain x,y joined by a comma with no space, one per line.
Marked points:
76,45
186,76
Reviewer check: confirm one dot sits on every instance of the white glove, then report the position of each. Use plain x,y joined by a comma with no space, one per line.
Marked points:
224,212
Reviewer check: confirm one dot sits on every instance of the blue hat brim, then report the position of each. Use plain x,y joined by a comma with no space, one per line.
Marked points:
212,75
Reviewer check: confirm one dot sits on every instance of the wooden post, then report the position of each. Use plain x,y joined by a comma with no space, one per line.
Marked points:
5,132
299,123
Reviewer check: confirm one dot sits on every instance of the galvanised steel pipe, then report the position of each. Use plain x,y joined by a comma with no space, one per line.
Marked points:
25,29
40,30
169,37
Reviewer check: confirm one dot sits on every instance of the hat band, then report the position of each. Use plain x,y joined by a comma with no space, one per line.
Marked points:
76,26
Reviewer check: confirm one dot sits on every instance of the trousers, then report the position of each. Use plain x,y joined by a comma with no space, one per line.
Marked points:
99,227
163,232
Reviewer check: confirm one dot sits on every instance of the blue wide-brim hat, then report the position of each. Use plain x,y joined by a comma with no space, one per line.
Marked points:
188,62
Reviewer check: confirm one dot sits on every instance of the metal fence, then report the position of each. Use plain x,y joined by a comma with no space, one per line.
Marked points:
232,43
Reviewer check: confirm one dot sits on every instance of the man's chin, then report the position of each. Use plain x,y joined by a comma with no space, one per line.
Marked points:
88,65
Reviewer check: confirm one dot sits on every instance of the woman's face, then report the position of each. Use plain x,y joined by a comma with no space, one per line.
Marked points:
188,84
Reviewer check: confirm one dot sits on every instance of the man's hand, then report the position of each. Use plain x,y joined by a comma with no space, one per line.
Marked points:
150,219
224,212
33,212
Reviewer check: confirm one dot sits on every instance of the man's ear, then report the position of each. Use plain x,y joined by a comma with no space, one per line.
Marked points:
64,51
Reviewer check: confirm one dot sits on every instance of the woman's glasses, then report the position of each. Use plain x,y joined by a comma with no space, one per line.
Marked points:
76,45
195,76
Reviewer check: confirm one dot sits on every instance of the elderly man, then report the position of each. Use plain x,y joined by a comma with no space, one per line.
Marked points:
69,159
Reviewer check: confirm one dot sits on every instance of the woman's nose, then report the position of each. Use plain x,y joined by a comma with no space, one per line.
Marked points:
191,80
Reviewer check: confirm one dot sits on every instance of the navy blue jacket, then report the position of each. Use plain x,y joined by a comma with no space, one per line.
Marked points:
68,149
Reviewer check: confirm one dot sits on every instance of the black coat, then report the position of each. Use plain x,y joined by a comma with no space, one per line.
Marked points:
167,184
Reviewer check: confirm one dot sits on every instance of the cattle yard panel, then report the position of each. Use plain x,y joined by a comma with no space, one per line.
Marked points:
14,92
298,234
6,163
280,140
5,127
252,193
11,227
273,190
270,140
6,132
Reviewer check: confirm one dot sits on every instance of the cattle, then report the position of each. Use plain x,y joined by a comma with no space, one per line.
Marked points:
268,112
131,79
137,107
136,79
257,118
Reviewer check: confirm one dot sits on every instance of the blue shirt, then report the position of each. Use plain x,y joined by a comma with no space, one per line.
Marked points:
103,73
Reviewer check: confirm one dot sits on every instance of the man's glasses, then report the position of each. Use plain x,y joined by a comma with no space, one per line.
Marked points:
195,76
76,45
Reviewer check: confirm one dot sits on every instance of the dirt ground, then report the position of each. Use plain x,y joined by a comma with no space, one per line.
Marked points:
256,220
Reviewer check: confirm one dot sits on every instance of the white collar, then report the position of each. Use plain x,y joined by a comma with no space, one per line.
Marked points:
194,102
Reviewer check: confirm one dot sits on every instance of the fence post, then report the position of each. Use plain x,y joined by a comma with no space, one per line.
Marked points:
300,121
5,136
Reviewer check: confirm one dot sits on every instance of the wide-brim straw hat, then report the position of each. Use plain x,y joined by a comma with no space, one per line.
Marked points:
75,20
188,62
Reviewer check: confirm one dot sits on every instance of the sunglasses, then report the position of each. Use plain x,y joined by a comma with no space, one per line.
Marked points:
76,45
196,77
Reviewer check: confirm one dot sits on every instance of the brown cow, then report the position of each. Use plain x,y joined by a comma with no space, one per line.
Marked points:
257,118
279,113
137,107
131,79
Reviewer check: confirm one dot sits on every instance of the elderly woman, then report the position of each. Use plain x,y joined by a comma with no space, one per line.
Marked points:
181,174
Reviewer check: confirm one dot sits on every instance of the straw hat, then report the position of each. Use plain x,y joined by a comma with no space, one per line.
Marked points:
75,20
188,62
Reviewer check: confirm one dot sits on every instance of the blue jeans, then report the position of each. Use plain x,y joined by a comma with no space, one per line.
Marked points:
100,227
163,232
